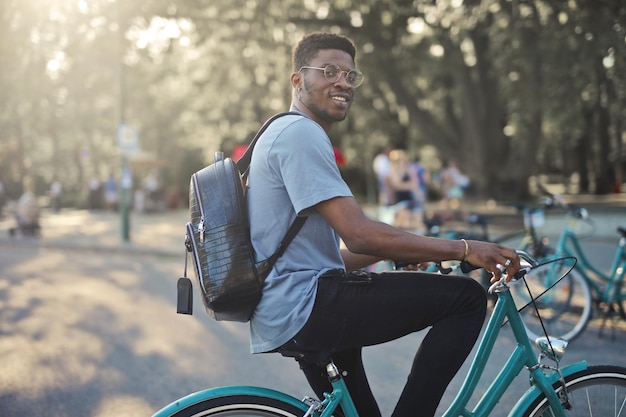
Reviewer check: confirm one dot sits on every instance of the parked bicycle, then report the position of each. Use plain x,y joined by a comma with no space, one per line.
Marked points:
567,308
526,238
477,228
573,390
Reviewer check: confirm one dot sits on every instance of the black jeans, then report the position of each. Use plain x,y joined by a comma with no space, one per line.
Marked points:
352,313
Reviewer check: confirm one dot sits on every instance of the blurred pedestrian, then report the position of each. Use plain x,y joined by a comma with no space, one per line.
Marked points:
421,177
152,188
453,185
405,190
27,211
111,193
94,198
381,166
56,188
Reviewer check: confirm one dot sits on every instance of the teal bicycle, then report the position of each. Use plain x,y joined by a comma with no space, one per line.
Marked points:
574,390
568,307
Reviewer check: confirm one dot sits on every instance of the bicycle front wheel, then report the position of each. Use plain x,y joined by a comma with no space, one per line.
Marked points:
564,310
240,405
596,391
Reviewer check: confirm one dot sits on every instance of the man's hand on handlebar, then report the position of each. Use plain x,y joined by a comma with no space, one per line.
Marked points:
494,258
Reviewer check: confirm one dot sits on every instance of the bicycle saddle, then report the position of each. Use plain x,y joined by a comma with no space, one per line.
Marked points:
320,358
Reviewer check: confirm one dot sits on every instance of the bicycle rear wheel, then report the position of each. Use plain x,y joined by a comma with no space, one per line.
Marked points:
565,309
596,391
240,405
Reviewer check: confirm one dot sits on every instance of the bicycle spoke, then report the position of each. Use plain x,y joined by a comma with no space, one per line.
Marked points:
599,391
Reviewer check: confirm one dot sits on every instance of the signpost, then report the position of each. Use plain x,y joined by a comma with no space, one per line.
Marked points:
128,142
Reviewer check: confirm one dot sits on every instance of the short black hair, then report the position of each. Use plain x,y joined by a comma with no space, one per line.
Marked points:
310,44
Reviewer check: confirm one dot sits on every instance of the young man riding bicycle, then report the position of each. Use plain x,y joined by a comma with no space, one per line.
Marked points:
309,303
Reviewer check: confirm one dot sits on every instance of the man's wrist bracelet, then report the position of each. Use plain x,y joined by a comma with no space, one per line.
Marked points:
466,250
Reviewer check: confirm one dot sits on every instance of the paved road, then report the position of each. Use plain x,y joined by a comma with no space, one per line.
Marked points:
88,327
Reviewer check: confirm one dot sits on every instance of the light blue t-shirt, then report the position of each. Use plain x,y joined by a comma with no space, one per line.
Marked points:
293,168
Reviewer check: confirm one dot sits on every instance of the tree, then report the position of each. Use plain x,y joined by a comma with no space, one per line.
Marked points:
510,88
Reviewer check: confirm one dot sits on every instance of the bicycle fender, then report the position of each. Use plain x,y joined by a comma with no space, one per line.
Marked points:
534,392
199,396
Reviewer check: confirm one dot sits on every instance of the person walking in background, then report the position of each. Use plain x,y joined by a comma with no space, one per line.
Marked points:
94,198
381,166
152,189
405,191
111,193
422,178
453,185
56,188
27,211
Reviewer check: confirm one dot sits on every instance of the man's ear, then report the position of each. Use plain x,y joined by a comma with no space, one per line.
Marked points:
296,80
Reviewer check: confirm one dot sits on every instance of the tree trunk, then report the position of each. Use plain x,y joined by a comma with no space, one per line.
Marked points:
583,149
602,175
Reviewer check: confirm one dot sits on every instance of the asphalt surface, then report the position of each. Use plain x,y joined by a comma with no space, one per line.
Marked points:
149,233
88,324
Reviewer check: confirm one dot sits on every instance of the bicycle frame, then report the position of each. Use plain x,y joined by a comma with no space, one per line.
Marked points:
569,245
522,356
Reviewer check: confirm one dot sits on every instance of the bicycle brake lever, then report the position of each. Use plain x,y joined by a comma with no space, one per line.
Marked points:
518,275
526,260
527,263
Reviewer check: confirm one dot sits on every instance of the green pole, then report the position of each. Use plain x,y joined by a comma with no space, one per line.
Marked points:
125,192
126,177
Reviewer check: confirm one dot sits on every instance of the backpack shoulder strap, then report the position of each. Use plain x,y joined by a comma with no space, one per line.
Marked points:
244,162
265,266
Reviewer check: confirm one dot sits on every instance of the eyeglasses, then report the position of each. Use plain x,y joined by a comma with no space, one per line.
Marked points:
333,73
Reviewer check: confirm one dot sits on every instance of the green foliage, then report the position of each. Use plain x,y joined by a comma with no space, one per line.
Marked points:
510,89
177,173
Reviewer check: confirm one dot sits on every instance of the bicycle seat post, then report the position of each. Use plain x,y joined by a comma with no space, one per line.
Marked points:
340,394
333,371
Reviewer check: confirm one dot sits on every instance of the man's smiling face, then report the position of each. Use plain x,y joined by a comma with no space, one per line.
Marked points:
323,101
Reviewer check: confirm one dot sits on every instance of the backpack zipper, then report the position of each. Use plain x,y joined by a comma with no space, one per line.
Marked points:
201,227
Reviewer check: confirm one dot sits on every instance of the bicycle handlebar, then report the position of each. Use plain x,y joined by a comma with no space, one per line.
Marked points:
553,199
527,263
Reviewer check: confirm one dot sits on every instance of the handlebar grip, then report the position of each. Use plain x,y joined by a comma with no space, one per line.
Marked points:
467,267
527,263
